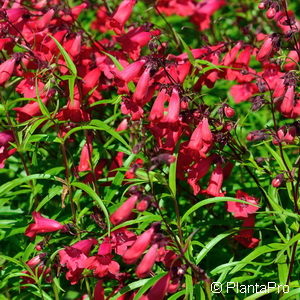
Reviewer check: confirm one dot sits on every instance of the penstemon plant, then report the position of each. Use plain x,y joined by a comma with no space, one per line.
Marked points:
149,149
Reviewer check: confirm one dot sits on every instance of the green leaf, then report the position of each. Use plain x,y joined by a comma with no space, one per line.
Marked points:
98,125
172,177
177,295
189,290
13,260
93,195
70,64
114,187
6,187
211,201
52,193
256,253
211,245
186,48
7,211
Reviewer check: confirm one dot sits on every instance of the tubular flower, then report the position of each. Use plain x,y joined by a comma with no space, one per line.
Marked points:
139,246
197,171
90,80
157,110
6,70
287,104
142,87
99,291
215,182
6,137
131,71
121,15
73,111
201,139
85,157
147,262
245,236
124,212
203,12
42,225
172,116
268,48
37,265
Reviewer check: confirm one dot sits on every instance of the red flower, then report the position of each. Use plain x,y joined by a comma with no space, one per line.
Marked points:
242,92
287,104
176,7
36,264
131,71
4,154
268,47
85,157
99,291
201,139
121,15
197,171
73,111
14,14
74,258
129,107
172,116
42,225
139,246
245,236
31,109
229,111
159,289
121,240
230,57
157,110
6,137
135,39
142,87
147,262
6,70
102,264
242,210
203,12
215,182
90,80
291,60
124,212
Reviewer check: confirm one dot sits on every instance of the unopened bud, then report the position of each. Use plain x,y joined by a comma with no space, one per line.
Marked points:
229,111
277,181
271,12
261,5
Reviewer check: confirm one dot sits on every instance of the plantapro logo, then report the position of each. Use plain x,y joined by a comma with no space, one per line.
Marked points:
218,287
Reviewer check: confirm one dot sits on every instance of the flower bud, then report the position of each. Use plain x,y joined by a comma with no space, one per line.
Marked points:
124,212
147,262
271,12
6,70
229,111
139,246
277,181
